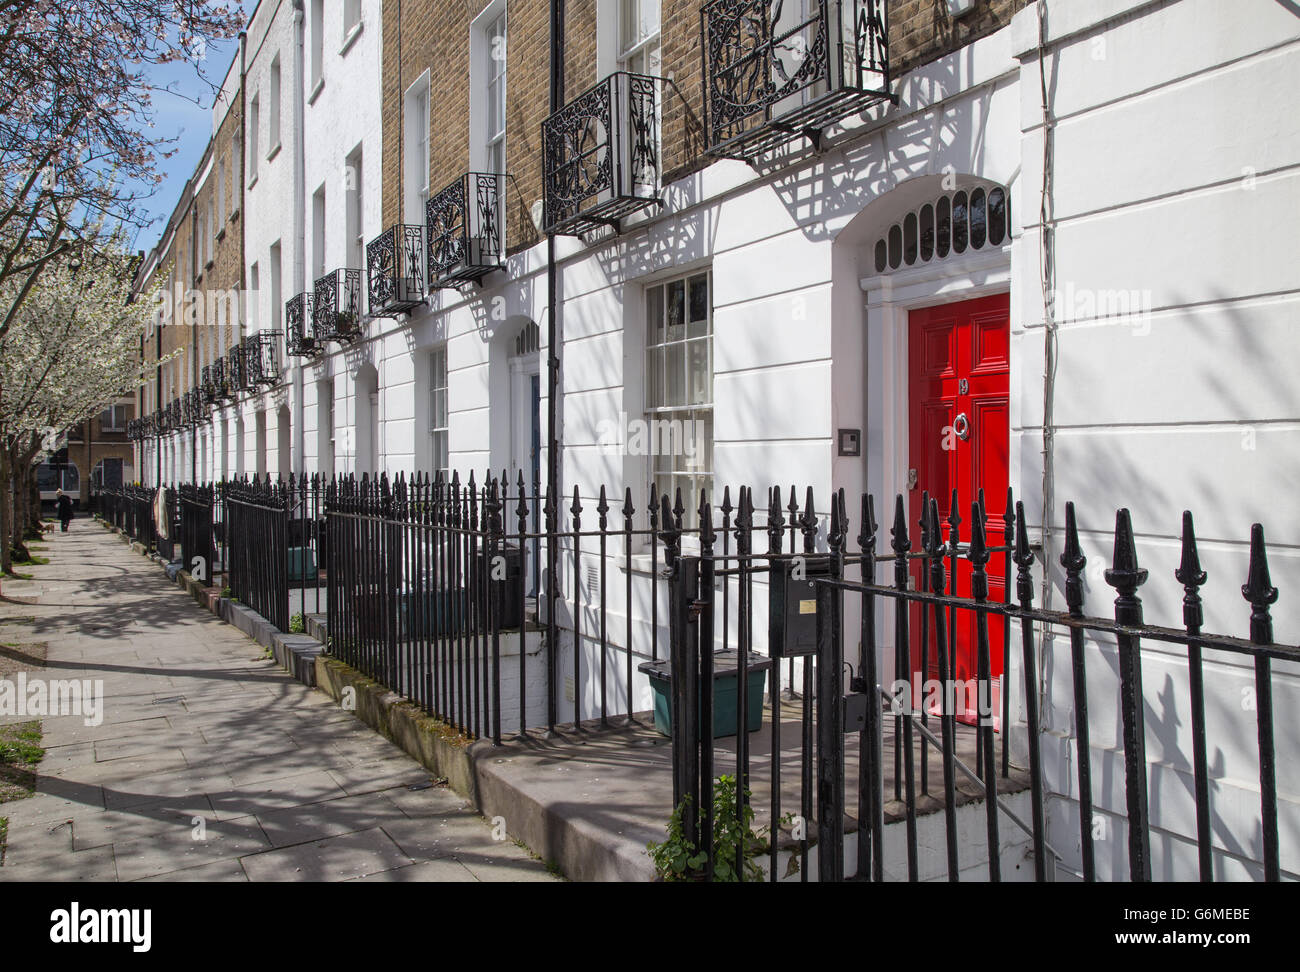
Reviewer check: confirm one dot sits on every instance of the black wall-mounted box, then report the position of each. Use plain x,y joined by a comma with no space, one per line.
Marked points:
792,611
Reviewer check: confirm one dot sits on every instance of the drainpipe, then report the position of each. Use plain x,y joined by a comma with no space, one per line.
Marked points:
243,232
552,390
298,446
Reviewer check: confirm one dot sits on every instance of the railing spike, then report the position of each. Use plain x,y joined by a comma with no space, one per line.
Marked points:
670,535
1073,560
900,543
1259,589
1024,558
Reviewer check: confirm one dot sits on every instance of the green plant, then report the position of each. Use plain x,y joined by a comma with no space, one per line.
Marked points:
297,624
226,591
679,859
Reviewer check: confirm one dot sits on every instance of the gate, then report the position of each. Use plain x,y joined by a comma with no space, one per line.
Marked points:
807,595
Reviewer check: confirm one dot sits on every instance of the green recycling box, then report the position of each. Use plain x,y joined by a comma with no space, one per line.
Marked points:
725,693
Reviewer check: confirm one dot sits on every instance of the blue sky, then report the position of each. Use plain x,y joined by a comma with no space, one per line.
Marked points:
187,117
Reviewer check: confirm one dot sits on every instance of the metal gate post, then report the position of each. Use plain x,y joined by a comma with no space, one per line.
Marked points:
830,728
684,584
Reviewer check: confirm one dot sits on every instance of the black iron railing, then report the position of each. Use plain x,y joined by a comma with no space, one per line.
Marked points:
775,73
601,155
299,329
167,528
220,380
256,519
197,539
262,358
937,622
465,229
238,374
336,307
395,264
272,537
208,386
130,509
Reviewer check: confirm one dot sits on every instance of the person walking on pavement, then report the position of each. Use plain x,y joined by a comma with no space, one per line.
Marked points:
65,509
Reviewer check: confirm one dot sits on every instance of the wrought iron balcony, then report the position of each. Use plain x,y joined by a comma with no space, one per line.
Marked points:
133,430
299,336
195,407
238,381
175,416
158,421
775,73
601,155
336,307
464,224
395,270
220,381
208,386
262,359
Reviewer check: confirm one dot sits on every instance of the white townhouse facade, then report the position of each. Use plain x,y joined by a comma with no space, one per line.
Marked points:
1070,244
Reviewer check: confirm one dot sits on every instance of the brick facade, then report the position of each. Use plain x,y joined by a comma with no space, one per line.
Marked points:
433,35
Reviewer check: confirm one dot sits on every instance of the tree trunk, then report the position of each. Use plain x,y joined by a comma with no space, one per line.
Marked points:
6,511
30,492
17,501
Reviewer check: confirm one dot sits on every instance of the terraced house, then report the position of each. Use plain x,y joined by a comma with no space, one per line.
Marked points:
910,249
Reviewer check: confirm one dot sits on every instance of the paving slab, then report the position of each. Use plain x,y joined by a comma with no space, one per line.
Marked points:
210,763
333,859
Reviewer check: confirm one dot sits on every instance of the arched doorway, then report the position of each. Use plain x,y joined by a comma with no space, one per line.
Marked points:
932,262
366,392
284,447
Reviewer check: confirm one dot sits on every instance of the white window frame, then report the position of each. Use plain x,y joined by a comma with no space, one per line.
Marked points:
112,412
655,405
439,432
254,137
650,42
356,211
416,110
487,72
316,62
273,119
318,203
352,22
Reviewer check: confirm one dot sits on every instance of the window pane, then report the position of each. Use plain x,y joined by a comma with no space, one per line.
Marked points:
654,370
654,314
997,217
944,234
909,239
927,231
697,362
676,310
977,219
676,374
699,298
959,227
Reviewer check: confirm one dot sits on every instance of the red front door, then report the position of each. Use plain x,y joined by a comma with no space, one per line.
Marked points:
959,370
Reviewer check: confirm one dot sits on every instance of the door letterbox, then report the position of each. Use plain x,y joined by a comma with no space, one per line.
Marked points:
792,615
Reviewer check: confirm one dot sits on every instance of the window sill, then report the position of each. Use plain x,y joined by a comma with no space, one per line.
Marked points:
316,90
253,181
351,38
275,150
221,234
234,213
209,265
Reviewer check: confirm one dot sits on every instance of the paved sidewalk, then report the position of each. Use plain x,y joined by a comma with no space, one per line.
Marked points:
210,763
